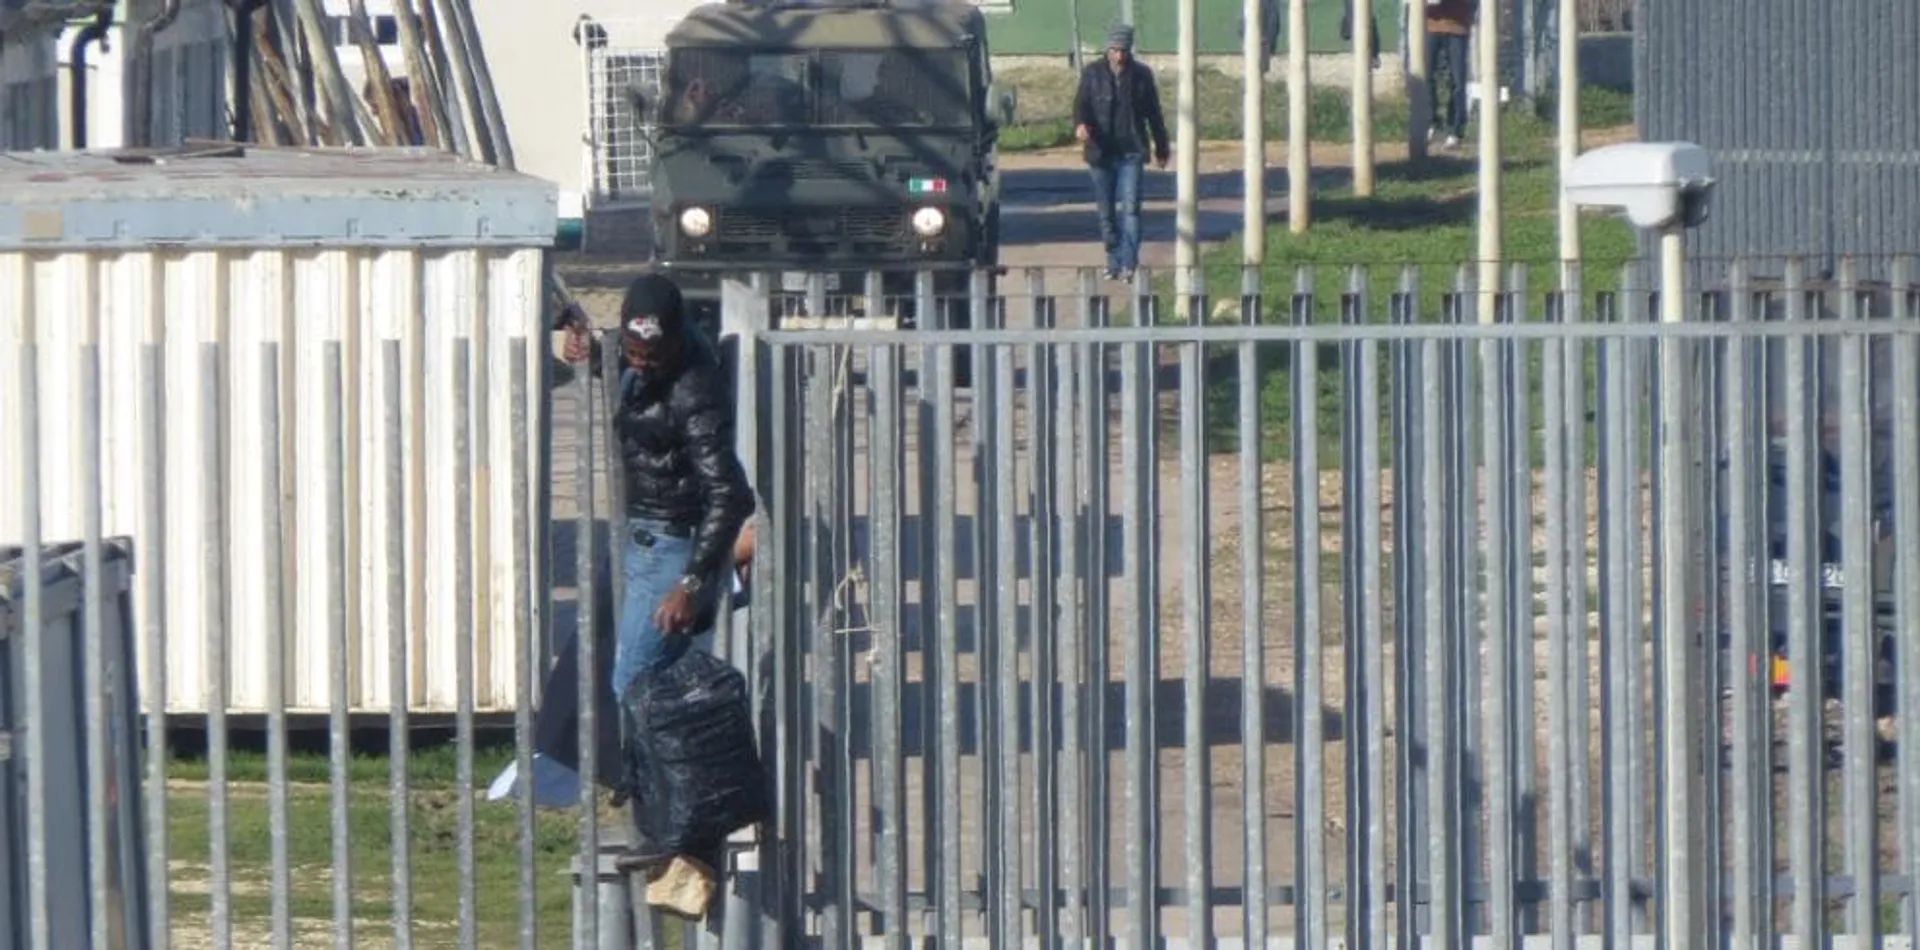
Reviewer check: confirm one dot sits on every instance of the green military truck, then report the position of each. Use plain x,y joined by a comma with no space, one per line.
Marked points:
819,141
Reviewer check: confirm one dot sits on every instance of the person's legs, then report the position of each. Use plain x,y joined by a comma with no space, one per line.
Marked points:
1126,198
1456,53
1436,64
1102,173
654,563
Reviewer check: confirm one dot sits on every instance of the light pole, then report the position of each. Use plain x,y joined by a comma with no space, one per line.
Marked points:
1666,187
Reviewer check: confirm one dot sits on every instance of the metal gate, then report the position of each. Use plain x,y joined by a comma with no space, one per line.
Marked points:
1332,618
1097,628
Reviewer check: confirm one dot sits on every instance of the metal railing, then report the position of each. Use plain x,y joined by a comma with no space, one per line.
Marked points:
1330,612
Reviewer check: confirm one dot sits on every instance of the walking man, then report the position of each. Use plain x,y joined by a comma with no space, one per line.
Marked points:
1116,115
687,495
1449,30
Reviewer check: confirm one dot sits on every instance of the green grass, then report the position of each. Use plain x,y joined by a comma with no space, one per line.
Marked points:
1419,225
1044,117
433,831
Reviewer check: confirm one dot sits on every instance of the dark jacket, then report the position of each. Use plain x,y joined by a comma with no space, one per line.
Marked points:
1094,106
675,437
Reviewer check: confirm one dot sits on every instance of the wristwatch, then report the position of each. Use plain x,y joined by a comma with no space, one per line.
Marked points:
691,583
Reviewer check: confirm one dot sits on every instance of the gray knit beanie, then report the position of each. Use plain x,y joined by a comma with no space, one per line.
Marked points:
1120,37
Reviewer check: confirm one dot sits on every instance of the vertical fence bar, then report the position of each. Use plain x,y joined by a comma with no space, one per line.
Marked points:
1858,629
1198,618
1906,560
33,634
1309,679
399,631
1680,785
932,657
586,924
1253,608
1562,478
1578,734
1495,702
884,478
1806,781
1366,917
1619,489
1043,469
1464,599
1410,598
1521,603
1445,889
1006,631
830,649
151,569
526,668
273,594
1096,480
469,429
948,826
1142,648
213,497
777,628
1746,654
1072,625
338,662
93,631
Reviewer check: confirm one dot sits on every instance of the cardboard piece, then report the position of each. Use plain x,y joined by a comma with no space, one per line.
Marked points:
684,886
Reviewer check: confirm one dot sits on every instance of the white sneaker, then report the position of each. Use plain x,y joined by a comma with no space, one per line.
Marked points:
1453,142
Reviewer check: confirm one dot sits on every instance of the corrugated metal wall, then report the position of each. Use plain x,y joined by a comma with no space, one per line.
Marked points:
353,301
1811,110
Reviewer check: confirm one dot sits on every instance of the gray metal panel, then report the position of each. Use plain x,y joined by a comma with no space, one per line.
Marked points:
1808,109
1875,111
269,198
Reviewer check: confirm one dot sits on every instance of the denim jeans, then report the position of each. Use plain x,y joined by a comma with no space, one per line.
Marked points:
655,561
1116,198
1448,52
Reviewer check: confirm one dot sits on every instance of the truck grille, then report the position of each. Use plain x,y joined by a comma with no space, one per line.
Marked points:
821,229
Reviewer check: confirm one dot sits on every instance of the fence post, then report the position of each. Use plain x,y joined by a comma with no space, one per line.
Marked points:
748,916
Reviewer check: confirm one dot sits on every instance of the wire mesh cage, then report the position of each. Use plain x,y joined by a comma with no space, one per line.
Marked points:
620,137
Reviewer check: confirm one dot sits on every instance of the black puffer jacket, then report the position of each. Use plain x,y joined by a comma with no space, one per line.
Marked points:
676,449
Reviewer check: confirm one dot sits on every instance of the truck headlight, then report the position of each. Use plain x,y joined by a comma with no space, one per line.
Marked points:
929,222
696,222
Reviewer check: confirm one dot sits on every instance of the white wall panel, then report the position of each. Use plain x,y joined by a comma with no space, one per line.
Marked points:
234,303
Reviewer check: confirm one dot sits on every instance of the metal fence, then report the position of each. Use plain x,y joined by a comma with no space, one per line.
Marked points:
619,140
1333,612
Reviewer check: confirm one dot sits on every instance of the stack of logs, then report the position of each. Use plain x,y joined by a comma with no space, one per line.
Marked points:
298,96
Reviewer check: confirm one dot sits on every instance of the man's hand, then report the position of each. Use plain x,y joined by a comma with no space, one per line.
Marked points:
674,616
1081,133
1160,162
579,347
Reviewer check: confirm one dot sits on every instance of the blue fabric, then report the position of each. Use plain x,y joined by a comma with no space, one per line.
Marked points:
1116,197
652,569
1447,52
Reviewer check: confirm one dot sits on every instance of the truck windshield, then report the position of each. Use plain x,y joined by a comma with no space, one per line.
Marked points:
898,87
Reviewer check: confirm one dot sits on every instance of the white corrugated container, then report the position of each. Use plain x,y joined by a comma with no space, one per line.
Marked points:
375,251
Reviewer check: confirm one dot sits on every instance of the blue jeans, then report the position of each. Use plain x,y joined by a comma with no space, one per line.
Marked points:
655,562
1447,52
1116,198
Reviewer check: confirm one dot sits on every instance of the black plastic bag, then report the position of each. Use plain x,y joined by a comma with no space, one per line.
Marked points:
693,767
